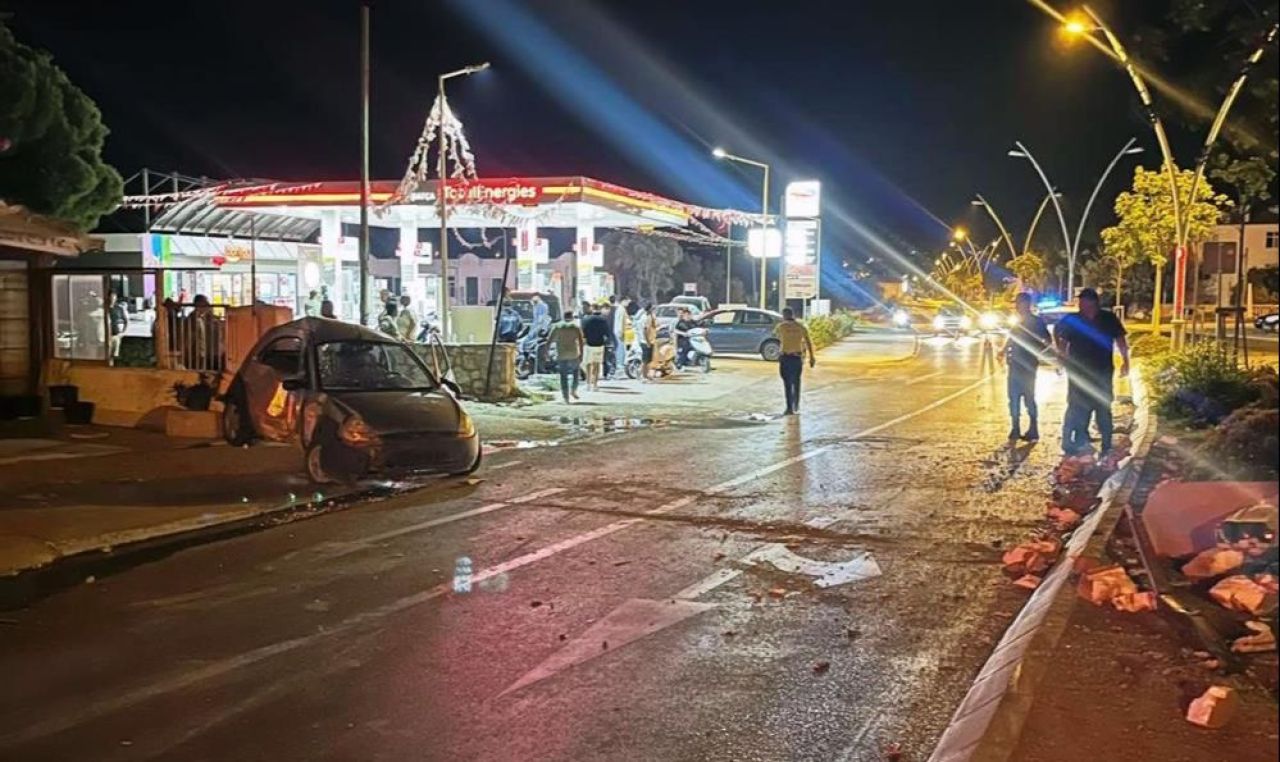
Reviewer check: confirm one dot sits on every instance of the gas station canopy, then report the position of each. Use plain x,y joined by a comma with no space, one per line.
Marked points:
547,202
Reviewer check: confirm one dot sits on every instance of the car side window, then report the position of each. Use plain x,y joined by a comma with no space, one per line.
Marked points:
755,318
723,318
284,356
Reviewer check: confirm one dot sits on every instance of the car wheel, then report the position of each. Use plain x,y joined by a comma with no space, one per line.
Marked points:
236,428
771,350
475,465
315,465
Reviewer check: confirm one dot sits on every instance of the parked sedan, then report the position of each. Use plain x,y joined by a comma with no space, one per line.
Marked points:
358,402
743,331
1268,322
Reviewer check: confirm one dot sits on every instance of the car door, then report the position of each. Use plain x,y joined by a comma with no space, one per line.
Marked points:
272,407
723,331
756,328
438,363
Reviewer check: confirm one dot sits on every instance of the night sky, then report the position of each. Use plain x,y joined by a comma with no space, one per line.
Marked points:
903,110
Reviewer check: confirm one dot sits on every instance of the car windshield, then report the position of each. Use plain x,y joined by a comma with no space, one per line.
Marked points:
370,366
950,311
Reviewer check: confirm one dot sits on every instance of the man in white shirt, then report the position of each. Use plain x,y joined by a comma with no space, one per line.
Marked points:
406,321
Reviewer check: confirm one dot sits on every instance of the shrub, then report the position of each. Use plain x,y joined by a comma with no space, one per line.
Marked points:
825,330
1250,435
1199,384
1149,345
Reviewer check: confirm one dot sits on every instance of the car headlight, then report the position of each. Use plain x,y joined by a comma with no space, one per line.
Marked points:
1011,321
939,323
354,431
466,427
966,322
901,318
989,321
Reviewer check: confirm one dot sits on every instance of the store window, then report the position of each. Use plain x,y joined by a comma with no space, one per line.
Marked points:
495,289
473,290
79,317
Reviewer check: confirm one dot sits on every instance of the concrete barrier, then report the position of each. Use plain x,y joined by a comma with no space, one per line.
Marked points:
470,368
136,397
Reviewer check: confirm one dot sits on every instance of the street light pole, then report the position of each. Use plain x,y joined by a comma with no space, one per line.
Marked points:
1022,152
1129,149
720,153
364,165
982,202
442,197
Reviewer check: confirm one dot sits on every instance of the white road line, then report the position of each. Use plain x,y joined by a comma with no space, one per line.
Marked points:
365,542
925,377
501,466
216,669
704,586
847,756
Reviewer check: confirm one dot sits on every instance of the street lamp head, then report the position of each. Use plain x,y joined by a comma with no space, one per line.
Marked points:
1135,150
1017,154
975,202
1077,25
477,68
719,152
959,234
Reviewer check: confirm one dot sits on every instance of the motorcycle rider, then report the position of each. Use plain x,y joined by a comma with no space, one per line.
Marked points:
684,324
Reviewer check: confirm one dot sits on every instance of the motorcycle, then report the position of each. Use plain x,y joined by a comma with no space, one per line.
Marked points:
533,353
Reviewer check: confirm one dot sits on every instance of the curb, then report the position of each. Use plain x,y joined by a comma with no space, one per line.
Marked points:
988,723
24,587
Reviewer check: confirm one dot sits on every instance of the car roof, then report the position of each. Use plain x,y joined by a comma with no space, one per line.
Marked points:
319,330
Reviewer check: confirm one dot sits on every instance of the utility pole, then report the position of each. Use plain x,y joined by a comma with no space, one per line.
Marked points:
364,163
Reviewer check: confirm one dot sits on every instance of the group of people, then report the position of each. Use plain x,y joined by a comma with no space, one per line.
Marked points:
318,305
397,319
1085,343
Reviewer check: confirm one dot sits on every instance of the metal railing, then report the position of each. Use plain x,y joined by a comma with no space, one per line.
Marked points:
190,337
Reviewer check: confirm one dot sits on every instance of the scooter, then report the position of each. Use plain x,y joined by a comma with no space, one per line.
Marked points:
699,353
664,357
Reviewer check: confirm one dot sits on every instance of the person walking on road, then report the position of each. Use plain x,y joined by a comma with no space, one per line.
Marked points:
1087,342
645,326
568,340
596,333
795,341
1027,341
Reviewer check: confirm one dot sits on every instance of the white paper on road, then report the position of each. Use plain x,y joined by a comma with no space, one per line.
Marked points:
825,573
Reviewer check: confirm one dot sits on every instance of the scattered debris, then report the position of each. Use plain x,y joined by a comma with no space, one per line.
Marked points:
1028,581
1213,562
1062,518
777,592
893,752
852,633
89,580
821,667
1135,602
534,604
1103,584
1214,707
1261,641
1240,593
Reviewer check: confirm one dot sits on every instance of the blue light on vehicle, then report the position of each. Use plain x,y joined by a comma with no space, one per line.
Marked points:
1048,303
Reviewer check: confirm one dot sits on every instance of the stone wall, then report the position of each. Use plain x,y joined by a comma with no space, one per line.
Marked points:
469,365
139,397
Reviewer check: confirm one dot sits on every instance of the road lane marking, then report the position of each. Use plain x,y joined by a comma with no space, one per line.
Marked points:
925,377
364,542
119,701
706,585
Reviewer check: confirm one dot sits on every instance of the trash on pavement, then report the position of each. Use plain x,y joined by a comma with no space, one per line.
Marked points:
893,752
1101,585
1062,518
1032,557
1214,707
1028,581
1213,562
1258,522
1135,602
821,667
1241,593
1261,641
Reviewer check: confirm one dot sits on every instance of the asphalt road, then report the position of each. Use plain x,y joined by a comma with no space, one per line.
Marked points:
619,598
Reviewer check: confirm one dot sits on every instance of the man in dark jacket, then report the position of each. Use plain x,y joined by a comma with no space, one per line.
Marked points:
1087,342
1027,341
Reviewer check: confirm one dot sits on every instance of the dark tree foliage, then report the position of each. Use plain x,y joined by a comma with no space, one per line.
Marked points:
51,137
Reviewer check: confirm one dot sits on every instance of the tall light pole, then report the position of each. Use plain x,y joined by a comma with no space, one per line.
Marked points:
1115,50
978,200
364,165
442,198
720,153
1073,244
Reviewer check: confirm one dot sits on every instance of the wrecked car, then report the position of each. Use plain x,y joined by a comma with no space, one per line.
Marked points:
357,401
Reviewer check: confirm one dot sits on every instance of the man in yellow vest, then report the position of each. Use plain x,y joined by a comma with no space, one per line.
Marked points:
794,338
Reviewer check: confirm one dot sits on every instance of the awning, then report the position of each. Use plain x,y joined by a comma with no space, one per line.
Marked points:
26,231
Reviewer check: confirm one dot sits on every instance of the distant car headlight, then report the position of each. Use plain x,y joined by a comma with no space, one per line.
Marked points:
966,322
939,323
466,427
989,321
354,431
1011,321
901,318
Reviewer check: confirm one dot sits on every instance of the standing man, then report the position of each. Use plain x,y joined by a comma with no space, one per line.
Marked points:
645,327
119,319
1087,341
311,307
406,321
596,333
794,338
620,335
387,320
568,340
1023,347
541,314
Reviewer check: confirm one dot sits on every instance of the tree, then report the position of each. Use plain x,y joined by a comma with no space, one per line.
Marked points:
51,137
644,264
1029,269
1146,227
